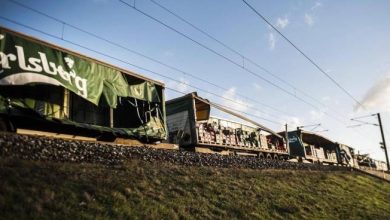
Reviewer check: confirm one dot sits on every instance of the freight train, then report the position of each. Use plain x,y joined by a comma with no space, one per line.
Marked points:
44,87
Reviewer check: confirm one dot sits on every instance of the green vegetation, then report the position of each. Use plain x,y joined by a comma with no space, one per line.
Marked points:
139,190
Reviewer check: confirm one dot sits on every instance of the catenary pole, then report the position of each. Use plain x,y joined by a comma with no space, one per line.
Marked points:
383,141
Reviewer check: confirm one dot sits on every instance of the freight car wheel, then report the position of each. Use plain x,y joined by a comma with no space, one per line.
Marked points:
261,156
276,157
269,157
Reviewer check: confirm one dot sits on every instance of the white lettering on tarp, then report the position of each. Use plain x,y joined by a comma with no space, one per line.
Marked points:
69,62
42,64
4,60
22,59
35,64
292,139
64,75
46,66
81,85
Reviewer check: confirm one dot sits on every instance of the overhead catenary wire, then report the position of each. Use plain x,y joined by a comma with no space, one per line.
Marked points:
364,116
245,58
144,56
362,124
137,66
231,61
304,54
211,50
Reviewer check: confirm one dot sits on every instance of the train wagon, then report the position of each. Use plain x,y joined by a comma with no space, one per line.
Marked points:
365,162
313,147
346,155
48,88
380,165
191,126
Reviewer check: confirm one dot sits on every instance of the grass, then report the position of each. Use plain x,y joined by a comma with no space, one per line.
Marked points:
143,190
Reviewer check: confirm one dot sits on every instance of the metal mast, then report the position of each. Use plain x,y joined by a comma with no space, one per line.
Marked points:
383,141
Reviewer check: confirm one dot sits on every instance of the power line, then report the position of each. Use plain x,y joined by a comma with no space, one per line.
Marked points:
136,66
245,58
144,56
364,116
234,51
230,60
226,58
208,48
303,54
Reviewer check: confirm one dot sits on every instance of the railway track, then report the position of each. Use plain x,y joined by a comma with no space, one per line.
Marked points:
32,147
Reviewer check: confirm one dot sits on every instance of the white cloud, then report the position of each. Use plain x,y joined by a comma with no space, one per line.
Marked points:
310,15
271,41
309,20
181,86
282,22
378,96
315,6
231,100
257,86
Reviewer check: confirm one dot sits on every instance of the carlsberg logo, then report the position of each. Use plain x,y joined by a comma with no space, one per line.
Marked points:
33,65
292,139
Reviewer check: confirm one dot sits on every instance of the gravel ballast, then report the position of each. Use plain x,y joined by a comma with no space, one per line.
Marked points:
59,150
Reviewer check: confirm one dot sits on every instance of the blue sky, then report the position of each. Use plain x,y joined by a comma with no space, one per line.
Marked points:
348,39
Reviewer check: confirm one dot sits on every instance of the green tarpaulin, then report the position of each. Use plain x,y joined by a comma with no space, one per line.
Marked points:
145,91
27,62
24,62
